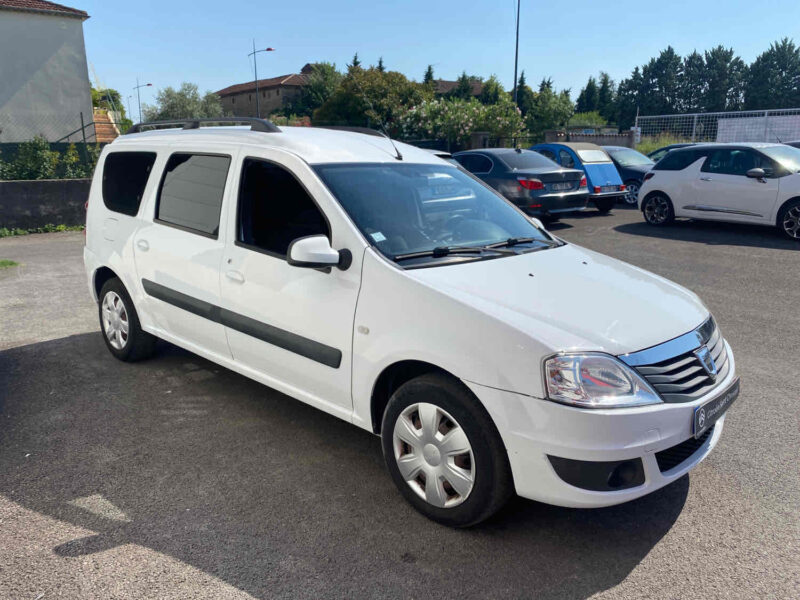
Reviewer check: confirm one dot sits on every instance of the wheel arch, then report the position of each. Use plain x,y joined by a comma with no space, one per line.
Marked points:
783,206
390,379
100,277
653,193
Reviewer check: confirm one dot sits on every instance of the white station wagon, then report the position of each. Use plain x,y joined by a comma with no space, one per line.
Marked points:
389,288
755,183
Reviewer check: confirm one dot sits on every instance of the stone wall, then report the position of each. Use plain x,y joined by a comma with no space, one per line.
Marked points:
27,204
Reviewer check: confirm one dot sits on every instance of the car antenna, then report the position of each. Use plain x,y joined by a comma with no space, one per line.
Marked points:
398,156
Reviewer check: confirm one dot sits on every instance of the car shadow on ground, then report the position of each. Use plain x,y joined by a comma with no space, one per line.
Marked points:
269,495
708,232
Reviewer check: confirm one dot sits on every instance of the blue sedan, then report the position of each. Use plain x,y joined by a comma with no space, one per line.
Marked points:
604,183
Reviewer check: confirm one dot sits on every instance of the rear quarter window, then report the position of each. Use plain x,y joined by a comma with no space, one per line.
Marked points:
125,176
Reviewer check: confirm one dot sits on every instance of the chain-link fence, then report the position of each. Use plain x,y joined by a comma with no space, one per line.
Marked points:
780,125
100,126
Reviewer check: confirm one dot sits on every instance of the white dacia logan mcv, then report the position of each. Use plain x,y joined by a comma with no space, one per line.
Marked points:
392,289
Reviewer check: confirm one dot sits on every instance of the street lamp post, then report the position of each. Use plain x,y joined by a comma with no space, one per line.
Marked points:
139,97
516,56
255,70
130,112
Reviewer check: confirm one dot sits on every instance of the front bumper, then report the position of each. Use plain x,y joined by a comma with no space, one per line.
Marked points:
533,429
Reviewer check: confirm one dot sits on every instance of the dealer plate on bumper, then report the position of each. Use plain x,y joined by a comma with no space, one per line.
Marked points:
710,412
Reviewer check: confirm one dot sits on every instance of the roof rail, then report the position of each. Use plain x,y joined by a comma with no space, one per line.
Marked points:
256,124
364,130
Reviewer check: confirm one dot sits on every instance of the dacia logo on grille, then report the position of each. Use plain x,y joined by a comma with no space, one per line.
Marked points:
707,361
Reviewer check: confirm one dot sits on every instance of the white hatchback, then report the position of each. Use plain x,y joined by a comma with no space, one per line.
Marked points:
738,183
391,289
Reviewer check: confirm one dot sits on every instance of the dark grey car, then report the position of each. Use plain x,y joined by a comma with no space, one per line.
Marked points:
536,184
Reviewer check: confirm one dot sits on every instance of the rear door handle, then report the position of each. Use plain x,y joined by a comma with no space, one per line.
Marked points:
705,179
235,276
142,245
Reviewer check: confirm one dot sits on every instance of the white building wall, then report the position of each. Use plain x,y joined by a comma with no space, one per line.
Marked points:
44,80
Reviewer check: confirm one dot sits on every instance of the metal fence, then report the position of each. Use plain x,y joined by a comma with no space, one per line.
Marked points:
780,125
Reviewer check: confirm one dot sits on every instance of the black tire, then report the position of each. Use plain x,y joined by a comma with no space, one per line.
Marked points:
492,483
604,205
136,344
657,210
789,220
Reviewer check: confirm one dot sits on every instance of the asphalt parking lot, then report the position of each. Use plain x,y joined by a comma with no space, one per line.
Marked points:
175,478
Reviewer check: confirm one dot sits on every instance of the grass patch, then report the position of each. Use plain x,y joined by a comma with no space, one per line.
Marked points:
650,143
5,232
5,264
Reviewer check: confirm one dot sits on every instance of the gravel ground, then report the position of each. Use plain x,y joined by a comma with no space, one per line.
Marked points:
176,478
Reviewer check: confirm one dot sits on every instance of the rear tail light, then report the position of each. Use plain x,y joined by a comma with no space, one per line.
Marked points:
648,176
622,188
534,206
597,189
530,183
583,182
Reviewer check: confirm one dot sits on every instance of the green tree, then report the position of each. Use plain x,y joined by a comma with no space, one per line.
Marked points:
463,88
628,98
34,160
588,97
183,103
355,63
428,78
371,97
605,96
591,119
724,80
380,67
525,95
492,91
550,109
773,80
321,84
693,84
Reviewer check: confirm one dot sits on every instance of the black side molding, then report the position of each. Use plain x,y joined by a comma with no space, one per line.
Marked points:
281,338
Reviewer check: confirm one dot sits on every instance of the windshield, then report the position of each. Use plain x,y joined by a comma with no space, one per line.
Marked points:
526,159
628,157
787,156
593,156
407,208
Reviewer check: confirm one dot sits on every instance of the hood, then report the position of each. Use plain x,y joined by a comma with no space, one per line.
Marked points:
602,174
570,298
639,168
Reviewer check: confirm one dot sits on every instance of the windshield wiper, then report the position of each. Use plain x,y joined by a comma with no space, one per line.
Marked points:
442,251
525,240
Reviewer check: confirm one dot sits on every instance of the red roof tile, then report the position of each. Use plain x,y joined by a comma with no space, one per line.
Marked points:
43,6
250,86
444,86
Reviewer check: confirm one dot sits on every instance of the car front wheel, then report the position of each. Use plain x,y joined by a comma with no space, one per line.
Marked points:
657,210
444,452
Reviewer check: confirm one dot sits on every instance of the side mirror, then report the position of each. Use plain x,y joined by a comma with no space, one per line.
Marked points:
757,173
537,222
315,252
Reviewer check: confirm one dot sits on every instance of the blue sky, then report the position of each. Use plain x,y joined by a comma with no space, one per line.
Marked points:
206,42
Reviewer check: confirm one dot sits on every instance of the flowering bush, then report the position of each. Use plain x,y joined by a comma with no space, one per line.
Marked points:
456,119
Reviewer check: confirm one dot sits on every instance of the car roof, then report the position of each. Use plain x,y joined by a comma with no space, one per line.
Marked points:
617,148
574,145
493,151
313,145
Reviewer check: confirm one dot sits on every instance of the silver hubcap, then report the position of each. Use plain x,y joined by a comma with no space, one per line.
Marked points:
633,193
791,222
434,455
656,210
115,320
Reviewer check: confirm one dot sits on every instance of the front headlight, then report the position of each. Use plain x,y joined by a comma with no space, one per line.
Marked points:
595,380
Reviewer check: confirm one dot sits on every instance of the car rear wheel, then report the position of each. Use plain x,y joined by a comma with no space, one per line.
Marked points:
604,205
119,322
632,195
789,220
657,210
444,452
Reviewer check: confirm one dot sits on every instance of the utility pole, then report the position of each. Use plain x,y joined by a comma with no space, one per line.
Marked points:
255,70
516,56
139,97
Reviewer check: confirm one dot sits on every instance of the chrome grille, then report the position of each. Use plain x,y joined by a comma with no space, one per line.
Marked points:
674,369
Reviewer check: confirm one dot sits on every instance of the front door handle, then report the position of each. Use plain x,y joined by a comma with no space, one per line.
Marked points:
143,245
705,179
234,276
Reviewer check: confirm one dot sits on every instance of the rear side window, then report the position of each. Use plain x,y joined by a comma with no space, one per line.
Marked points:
565,158
526,159
125,176
677,160
191,191
475,163
275,209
